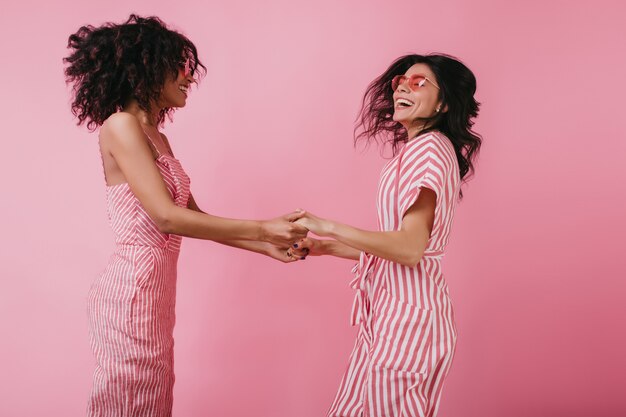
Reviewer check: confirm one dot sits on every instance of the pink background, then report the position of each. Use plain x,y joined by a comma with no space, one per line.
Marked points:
535,266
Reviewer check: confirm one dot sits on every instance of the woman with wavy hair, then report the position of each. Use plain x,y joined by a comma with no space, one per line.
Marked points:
126,79
423,106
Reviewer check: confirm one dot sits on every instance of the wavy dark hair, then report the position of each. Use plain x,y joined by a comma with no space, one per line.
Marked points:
458,85
112,63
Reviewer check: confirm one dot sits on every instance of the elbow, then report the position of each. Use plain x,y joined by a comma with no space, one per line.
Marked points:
165,222
410,260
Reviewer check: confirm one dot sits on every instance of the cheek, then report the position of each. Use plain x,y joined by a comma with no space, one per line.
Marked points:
433,99
427,102
172,89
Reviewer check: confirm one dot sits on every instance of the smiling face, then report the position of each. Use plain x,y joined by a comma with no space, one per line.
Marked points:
175,90
416,96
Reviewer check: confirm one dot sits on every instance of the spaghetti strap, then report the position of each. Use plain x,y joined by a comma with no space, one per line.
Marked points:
151,142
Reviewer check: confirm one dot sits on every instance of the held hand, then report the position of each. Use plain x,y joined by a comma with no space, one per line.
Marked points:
281,254
317,225
282,231
307,246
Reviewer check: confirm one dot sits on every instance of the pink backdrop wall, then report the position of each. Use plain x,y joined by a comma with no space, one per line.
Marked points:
535,267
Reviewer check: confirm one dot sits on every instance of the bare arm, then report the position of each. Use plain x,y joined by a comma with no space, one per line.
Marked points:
264,248
405,246
124,139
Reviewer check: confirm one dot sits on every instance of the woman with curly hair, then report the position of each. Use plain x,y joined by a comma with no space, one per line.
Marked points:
126,78
423,106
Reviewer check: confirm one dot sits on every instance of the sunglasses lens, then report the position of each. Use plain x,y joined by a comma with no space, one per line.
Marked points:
185,68
396,81
417,81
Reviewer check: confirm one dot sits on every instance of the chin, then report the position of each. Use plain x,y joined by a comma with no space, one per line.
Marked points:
176,102
179,104
398,119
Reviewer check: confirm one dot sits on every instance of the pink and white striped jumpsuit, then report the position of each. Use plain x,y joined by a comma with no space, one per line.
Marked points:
131,307
407,335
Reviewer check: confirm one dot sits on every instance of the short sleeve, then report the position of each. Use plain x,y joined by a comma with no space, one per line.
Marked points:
423,168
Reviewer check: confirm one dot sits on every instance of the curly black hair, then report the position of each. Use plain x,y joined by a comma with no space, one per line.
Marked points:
458,85
112,63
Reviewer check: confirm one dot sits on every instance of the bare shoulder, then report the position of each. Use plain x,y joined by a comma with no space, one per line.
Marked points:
121,129
119,123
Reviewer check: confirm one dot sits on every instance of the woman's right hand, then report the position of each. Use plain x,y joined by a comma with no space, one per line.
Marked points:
281,231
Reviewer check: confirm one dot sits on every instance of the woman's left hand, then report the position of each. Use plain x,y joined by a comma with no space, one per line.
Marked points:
284,255
317,225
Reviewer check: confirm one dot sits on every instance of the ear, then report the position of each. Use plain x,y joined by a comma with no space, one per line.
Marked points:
444,109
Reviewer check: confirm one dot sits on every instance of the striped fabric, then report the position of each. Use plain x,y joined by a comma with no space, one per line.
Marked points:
131,307
407,335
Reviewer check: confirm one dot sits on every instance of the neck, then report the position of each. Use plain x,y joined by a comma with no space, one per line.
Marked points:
149,118
414,130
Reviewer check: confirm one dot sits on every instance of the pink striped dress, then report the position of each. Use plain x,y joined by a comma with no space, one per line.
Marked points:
407,335
131,307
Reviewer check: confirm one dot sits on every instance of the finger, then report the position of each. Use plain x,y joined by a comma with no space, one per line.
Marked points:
305,243
300,252
292,237
292,217
292,257
296,252
299,231
282,242
302,222
301,246
285,239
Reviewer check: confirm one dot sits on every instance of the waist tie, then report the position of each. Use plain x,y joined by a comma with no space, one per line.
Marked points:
360,307
362,271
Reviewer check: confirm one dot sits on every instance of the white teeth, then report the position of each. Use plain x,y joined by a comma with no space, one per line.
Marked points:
404,102
182,88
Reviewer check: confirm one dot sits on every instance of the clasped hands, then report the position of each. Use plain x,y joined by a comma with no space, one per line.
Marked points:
288,235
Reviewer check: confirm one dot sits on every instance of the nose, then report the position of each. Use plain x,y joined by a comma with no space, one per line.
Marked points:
402,87
189,79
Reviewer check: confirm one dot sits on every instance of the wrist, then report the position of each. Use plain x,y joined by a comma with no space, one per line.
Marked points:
331,229
325,247
259,231
264,248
